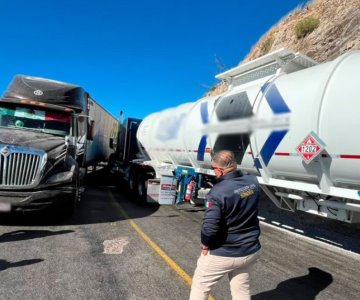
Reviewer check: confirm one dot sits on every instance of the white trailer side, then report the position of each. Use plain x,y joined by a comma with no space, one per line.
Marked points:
102,141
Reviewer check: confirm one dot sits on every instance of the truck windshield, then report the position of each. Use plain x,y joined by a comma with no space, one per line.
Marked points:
35,118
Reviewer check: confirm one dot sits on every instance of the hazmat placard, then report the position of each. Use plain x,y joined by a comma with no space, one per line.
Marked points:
310,147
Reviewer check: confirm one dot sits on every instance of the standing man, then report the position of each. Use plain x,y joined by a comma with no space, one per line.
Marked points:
230,231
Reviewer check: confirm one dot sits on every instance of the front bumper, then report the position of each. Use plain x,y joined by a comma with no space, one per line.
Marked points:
36,200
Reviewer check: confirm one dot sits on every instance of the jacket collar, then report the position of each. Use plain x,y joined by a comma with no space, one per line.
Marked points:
231,175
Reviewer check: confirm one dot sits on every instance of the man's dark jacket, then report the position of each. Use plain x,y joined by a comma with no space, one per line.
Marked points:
231,226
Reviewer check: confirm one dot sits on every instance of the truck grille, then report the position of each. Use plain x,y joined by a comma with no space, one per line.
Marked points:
20,167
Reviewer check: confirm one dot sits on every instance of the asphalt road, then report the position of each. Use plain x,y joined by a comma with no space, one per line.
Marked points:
98,254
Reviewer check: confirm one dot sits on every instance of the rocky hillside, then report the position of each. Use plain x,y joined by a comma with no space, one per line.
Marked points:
321,29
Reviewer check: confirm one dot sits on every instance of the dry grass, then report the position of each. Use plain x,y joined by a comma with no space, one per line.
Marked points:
306,26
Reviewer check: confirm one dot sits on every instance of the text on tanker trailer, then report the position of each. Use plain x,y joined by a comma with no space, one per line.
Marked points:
289,120
50,132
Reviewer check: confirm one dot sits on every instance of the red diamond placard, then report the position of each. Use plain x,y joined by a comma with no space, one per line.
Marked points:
310,148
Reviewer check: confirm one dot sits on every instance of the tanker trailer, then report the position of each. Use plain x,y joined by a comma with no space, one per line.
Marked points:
289,121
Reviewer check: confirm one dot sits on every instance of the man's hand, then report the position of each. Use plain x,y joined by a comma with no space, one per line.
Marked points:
204,250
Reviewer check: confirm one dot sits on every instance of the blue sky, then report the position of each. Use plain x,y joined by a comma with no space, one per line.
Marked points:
136,56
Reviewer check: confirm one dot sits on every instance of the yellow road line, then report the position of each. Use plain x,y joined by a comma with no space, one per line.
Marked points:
158,250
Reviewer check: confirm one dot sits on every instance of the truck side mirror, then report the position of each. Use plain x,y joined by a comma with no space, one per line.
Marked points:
69,141
91,130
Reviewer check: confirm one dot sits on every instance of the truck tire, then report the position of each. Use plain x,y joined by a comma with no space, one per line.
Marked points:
111,162
141,189
71,204
132,183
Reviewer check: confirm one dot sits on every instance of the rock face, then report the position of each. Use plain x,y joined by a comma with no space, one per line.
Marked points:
337,33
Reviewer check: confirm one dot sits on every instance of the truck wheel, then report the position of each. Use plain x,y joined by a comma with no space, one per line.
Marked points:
132,183
111,162
71,204
141,191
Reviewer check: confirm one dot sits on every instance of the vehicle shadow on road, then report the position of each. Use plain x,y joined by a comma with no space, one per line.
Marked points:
4,264
336,233
299,288
103,186
20,235
97,205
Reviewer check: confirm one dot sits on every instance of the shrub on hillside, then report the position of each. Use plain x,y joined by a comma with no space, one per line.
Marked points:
306,26
267,44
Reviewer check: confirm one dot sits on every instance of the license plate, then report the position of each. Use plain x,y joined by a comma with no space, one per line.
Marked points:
5,207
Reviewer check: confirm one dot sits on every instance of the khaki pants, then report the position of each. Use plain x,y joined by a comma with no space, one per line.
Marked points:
211,268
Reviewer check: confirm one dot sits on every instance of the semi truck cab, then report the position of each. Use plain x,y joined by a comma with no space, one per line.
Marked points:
40,151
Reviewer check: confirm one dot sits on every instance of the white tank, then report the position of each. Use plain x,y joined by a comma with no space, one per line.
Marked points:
173,136
321,100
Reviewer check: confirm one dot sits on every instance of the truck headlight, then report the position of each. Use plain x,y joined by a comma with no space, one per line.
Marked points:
61,177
